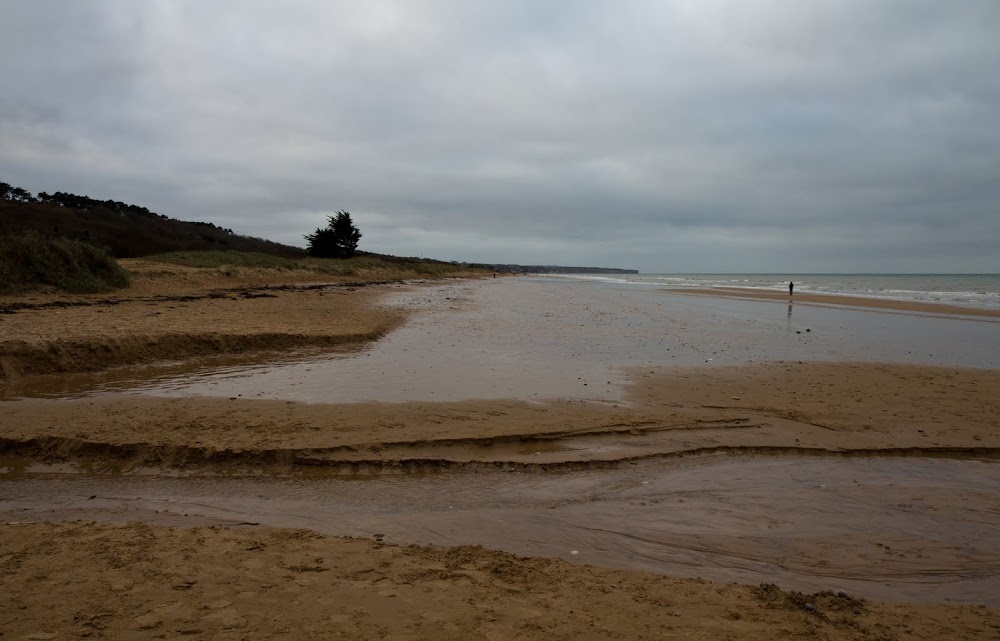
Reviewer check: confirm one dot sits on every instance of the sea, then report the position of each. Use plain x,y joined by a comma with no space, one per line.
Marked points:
968,290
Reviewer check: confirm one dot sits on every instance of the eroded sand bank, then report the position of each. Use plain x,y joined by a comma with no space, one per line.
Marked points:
47,334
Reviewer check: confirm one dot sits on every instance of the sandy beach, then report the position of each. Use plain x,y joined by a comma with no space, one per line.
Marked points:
175,312
850,301
694,384
139,582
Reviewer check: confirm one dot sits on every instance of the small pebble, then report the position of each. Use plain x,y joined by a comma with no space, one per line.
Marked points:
574,552
809,607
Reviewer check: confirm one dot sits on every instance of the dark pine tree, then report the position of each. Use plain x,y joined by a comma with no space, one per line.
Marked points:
338,239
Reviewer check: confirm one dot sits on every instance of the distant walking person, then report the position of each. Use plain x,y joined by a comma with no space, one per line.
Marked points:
791,286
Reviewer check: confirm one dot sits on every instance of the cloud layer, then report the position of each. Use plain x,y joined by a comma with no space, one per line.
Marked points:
691,135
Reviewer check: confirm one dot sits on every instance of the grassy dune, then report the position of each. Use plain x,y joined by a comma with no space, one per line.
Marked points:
30,261
358,266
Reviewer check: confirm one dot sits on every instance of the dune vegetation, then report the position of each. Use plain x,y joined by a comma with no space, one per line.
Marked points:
30,261
360,265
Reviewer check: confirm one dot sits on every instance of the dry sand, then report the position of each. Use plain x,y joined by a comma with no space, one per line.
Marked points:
146,582
137,581
173,312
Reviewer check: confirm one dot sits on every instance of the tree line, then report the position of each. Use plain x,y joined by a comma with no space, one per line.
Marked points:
127,230
339,239
66,199
85,203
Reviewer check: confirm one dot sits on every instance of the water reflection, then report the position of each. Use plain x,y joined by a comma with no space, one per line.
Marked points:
538,339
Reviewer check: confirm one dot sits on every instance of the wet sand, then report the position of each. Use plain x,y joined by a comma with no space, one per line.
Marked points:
523,339
564,382
916,307
817,407
808,523
529,372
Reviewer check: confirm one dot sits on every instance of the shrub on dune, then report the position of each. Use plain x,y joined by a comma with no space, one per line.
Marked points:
31,261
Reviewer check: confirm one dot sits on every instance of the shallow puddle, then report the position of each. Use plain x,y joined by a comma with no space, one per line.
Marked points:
897,529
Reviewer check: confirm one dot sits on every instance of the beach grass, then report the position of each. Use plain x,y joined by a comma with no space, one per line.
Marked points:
213,258
362,265
30,261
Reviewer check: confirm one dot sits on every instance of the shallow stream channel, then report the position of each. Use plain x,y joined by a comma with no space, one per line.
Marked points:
891,528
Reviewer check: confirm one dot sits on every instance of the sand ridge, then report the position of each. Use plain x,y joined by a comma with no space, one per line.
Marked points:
109,332
173,312
807,407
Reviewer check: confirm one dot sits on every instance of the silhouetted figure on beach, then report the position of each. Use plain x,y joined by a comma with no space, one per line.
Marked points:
791,286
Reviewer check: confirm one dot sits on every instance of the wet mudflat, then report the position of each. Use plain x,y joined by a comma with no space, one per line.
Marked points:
545,339
891,528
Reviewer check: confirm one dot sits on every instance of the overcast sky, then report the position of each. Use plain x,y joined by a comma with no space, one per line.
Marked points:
671,135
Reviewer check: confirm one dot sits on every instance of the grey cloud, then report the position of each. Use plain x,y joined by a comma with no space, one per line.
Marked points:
639,134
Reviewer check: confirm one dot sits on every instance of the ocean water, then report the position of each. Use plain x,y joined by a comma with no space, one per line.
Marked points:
970,290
